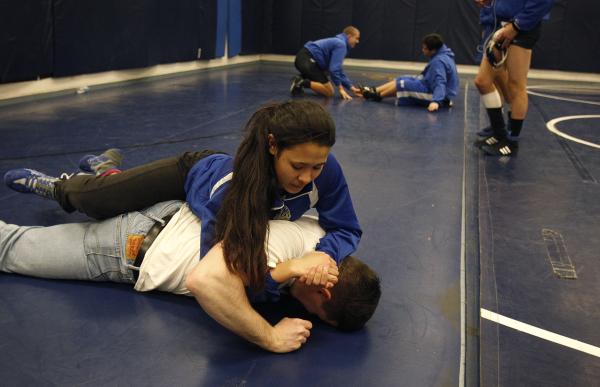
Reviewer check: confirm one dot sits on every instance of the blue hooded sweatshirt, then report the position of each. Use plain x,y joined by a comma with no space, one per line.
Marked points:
526,14
440,75
329,55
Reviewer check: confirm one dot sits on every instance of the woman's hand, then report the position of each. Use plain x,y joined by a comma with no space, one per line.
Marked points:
316,268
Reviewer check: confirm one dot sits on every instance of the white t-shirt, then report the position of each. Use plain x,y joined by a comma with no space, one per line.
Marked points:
176,250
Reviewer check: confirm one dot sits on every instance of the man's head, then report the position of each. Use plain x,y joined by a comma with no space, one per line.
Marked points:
430,44
350,303
353,35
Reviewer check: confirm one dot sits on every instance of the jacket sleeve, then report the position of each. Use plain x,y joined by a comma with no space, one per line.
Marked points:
336,213
335,66
532,13
205,204
439,81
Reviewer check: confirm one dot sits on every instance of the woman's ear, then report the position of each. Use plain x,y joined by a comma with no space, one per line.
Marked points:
272,144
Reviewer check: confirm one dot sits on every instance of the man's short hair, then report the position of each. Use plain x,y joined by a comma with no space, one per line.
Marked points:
433,41
355,297
350,30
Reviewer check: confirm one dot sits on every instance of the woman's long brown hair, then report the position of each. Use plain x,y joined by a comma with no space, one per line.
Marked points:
245,212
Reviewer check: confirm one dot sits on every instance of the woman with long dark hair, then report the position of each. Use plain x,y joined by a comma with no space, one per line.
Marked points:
282,168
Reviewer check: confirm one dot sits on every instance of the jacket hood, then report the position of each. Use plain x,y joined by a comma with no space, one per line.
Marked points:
445,50
344,37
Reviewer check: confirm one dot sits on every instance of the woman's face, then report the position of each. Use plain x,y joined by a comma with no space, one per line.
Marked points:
298,165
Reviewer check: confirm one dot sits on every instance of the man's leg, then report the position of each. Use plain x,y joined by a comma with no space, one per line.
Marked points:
517,67
388,89
59,252
411,91
501,84
517,64
325,89
491,101
407,89
94,251
312,77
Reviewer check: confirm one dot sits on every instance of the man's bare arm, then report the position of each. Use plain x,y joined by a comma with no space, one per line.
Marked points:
222,295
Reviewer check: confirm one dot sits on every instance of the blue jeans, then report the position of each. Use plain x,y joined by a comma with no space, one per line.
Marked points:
93,251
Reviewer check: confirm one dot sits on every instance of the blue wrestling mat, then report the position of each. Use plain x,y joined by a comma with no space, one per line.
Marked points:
465,245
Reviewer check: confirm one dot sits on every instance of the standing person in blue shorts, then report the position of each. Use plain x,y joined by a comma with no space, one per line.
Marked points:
321,60
518,27
434,87
487,22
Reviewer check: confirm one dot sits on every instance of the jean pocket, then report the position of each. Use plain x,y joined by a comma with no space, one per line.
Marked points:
102,246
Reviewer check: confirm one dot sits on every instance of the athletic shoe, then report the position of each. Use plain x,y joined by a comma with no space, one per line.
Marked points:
370,93
504,147
296,86
489,141
97,165
31,181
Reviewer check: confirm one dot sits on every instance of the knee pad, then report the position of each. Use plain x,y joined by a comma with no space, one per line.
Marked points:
492,100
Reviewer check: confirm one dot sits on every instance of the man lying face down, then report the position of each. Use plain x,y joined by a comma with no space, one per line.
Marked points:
158,248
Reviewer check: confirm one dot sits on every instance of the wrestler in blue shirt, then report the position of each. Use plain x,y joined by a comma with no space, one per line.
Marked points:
320,60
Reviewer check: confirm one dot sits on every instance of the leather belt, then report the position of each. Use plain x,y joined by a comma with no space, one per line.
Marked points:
149,238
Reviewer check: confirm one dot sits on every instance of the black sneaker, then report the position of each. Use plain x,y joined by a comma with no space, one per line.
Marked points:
296,86
370,93
488,141
504,147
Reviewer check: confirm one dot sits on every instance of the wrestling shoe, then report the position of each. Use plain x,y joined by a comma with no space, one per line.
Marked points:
370,93
97,165
489,141
504,147
31,181
296,86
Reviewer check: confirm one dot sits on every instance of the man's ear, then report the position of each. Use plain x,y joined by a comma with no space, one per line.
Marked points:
272,144
325,293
